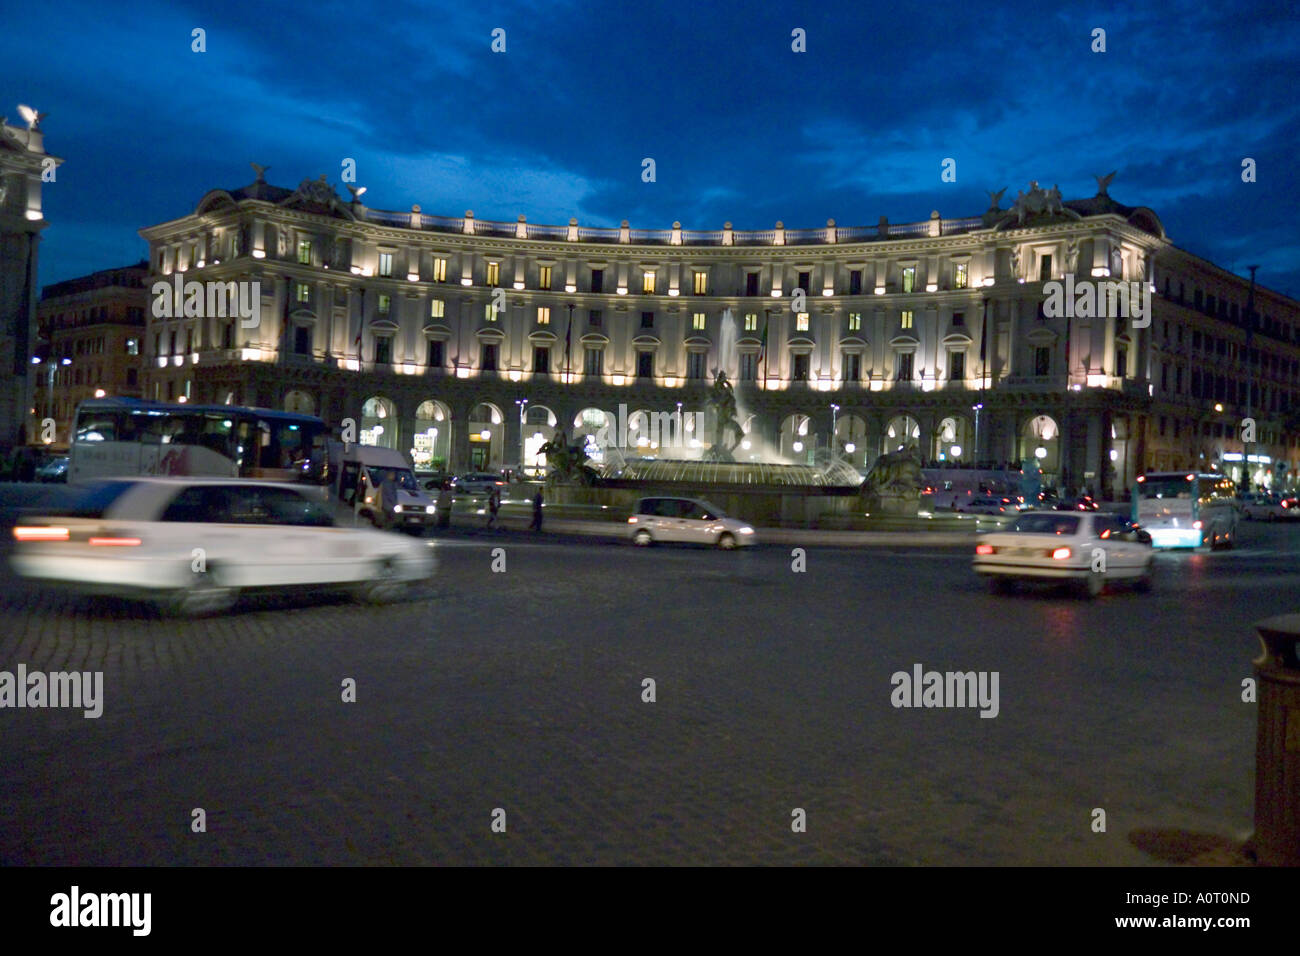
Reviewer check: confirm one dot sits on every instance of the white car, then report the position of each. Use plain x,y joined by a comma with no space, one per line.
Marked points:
477,483
1264,507
193,544
1088,548
687,521
986,506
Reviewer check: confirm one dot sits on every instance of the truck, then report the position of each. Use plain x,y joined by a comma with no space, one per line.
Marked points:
359,473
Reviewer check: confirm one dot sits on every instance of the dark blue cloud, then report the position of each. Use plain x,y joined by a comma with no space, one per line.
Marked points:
740,127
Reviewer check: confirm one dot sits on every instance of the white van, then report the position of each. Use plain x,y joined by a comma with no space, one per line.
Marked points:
359,472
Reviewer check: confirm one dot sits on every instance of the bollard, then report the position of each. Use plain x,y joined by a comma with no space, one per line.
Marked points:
1277,743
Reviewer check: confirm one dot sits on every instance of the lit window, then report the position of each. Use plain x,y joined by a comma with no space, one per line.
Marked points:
132,346
543,315
801,322
751,321
855,321
906,319
304,252
386,264
385,303
543,277
701,283
439,270
437,308
960,279
493,274
303,292
697,322
648,283
489,312
909,279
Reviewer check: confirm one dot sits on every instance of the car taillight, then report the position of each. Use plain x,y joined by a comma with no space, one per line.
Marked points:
632,520
985,549
115,542
1061,554
41,533
1196,525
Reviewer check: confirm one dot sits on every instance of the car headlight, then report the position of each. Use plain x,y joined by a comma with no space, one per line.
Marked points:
747,530
397,509
428,509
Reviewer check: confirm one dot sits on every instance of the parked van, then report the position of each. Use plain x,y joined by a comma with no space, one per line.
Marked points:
359,473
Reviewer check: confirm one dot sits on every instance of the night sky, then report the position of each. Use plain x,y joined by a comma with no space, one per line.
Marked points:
741,128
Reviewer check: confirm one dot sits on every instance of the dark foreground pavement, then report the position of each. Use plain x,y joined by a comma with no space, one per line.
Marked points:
522,691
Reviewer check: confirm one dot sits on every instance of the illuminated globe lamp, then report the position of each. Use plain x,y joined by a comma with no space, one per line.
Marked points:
1040,452
955,451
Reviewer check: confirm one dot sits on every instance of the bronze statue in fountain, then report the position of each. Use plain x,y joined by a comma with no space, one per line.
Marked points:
727,431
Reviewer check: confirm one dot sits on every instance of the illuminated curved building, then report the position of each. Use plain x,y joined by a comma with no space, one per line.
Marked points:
467,343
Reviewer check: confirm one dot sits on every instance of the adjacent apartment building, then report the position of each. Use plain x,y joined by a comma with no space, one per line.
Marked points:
90,334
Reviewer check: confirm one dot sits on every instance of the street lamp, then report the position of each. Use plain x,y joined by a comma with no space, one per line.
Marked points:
523,410
834,411
51,367
976,409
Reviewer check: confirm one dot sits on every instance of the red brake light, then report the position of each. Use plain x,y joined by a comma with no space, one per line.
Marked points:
1061,554
985,549
115,542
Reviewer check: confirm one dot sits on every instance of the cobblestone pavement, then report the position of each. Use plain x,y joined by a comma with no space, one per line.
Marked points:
522,691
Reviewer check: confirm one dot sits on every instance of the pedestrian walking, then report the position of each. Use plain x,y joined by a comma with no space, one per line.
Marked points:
494,505
537,512
444,506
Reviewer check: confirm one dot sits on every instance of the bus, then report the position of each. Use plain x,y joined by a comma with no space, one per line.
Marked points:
1184,509
130,436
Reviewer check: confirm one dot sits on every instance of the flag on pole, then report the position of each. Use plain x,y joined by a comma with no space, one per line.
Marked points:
568,340
984,343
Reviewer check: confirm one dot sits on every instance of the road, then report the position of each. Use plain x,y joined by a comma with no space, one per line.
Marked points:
522,690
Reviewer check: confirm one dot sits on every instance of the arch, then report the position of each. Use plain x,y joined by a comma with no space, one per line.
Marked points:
431,441
299,401
901,431
953,440
486,434
798,438
756,442
378,422
851,440
1040,439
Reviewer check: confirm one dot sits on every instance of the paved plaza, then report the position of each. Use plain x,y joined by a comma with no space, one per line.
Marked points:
523,691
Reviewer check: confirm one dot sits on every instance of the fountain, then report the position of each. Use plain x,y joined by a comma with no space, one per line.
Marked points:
766,488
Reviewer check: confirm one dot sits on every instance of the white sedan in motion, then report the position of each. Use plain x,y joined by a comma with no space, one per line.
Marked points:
1090,549
193,545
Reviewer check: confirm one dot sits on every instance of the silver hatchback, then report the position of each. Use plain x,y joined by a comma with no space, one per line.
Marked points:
687,521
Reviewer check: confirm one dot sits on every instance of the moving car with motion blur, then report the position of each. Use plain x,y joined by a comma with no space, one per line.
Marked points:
687,521
986,506
1090,549
193,545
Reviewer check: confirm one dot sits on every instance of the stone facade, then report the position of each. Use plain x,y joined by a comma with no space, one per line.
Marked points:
95,323
470,342
24,165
